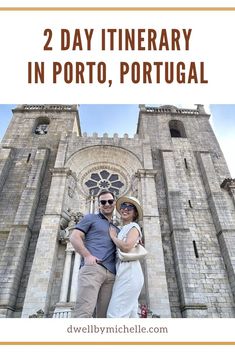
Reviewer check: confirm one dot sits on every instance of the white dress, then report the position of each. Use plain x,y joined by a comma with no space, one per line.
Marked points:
128,283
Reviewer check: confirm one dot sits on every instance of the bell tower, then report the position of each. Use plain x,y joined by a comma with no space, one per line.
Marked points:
29,151
196,211
29,122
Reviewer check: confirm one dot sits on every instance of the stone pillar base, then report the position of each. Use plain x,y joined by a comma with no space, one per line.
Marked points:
63,310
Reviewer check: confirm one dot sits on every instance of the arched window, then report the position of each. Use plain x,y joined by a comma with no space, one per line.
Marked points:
42,125
177,128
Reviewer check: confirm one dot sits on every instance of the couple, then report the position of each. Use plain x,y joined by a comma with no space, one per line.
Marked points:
96,238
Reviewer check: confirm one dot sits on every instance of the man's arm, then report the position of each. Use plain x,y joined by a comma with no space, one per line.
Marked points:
77,240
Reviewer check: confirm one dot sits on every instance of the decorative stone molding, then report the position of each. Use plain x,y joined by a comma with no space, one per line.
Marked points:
196,306
194,310
146,173
65,218
69,219
94,159
229,185
72,184
39,315
61,172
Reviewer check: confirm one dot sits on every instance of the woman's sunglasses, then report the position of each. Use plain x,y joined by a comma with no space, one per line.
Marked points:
126,206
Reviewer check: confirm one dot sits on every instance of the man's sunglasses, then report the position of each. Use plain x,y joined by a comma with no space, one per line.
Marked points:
103,202
126,206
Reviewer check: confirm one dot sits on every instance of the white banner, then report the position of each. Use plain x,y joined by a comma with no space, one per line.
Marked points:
117,56
155,331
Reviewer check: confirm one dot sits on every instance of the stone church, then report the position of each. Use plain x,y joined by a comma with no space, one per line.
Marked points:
50,175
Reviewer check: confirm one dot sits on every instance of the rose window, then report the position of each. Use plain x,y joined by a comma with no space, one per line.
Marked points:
104,180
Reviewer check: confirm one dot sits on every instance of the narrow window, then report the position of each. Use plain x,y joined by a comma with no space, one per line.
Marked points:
190,205
195,249
185,162
29,156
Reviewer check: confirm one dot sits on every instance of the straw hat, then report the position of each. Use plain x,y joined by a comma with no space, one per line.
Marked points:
133,201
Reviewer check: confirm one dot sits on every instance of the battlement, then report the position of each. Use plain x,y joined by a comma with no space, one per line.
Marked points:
105,135
77,143
171,109
46,107
167,109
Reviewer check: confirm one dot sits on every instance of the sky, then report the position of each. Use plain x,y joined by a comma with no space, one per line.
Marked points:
122,119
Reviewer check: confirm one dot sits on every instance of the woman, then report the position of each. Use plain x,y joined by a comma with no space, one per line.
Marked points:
129,277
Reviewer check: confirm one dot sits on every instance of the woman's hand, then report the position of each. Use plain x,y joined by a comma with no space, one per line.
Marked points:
112,232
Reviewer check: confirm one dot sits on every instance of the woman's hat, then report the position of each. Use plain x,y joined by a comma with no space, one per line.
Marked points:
133,201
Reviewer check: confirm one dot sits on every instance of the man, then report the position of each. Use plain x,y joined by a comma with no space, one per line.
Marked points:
97,273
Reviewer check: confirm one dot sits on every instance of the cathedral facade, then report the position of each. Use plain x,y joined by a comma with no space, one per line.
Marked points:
50,175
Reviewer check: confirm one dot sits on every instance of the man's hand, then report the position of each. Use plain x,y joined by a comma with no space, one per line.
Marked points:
91,260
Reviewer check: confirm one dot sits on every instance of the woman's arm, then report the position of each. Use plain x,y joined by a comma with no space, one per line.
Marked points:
131,239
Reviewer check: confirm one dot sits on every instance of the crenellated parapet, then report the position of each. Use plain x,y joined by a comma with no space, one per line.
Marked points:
171,109
105,135
46,107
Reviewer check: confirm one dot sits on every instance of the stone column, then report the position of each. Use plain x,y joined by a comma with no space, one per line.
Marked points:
96,205
41,276
92,203
74,282
66,275
156,274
